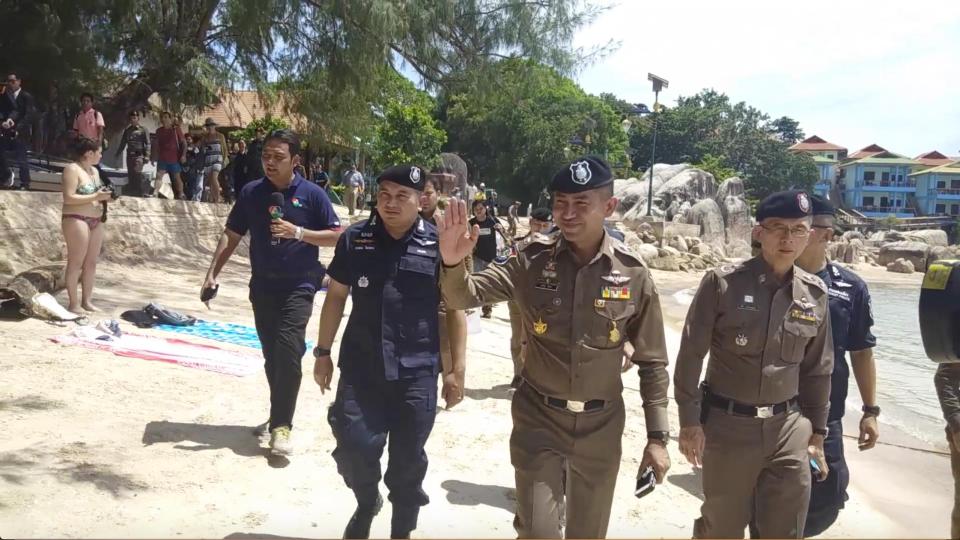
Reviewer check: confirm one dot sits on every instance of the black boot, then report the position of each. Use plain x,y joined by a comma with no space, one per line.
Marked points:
359,525
404,520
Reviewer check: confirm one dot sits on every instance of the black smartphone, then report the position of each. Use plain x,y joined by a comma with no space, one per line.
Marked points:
645,483
209,293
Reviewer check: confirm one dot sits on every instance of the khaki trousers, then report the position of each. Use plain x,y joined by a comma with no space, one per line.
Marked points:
546,443
758,467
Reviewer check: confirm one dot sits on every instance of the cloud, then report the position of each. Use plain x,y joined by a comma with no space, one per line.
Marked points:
853,72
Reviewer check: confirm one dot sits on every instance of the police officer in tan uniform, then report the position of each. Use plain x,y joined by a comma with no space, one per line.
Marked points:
760,416
581,295
540,223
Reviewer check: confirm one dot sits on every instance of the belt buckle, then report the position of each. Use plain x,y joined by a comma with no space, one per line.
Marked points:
765,412
576,406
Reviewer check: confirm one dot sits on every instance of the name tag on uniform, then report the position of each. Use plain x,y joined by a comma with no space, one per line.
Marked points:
748,303
547,284
484,231
801,315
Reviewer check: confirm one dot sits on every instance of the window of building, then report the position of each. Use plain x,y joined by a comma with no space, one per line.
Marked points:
868,201
941,184
940,209
954,184
955,210
898,203
884,201
829,156
885,176
869,176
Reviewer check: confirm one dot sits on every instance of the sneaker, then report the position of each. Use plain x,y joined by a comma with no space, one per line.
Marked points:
362,518
280,442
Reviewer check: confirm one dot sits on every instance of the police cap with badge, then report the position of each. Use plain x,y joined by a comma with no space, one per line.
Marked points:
583,174
784,205
410,176
541,214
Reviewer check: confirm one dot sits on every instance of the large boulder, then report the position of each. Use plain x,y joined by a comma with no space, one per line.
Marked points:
931,237
736,217
707,214
915,252
851,235
665,263
677,242
455,165
731,187
629,193
632,218
647,252
663,172
738,249
688,185
901,266
893,236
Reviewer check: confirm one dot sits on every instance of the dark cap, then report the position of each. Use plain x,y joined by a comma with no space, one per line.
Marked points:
583,174
541,214
410,176
822,206
785,205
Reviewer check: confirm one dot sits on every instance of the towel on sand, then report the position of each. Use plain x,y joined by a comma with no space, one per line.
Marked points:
172,350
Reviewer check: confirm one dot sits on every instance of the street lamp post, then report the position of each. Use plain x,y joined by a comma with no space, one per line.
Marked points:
658,84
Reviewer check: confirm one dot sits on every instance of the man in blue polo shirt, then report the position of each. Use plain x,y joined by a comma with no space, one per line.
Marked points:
285,267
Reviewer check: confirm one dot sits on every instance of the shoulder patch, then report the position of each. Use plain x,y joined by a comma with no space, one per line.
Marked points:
812,279
727,269
620,247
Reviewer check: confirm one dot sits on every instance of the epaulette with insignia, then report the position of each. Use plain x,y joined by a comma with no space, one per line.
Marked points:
812,279
727,269
542,239
628,251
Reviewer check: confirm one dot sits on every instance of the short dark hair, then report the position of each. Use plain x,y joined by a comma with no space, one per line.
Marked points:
432,180
14,75
133,112
86,95
286,136
82,145
476,202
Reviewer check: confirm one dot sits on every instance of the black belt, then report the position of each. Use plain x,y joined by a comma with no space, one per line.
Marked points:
753,411
569,404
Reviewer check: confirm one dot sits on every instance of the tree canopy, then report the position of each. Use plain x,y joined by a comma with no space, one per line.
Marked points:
709,128
518,136
406,131
336,52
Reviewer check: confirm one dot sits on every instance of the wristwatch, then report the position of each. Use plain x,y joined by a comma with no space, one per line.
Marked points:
821,432
873,410
659,436
319,351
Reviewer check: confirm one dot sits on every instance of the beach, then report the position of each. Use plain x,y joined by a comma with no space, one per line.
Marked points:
99,445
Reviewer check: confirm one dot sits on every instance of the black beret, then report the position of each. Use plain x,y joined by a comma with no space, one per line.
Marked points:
541,214
822,206
784,204
410,176
583,174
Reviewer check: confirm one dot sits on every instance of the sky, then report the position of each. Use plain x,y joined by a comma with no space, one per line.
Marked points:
850,71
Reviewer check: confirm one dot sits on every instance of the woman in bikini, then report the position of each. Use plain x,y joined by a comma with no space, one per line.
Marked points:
83,196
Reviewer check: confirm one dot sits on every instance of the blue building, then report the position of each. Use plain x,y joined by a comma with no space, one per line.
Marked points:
826,155
879,184
938,190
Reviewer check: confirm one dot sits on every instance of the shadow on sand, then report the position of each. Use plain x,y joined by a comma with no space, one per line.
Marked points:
241,440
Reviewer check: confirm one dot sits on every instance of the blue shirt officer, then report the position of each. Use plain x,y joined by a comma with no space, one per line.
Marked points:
389,353
285,269
850,319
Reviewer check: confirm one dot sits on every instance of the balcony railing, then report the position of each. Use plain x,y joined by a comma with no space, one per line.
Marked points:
888,183
947,191
887,209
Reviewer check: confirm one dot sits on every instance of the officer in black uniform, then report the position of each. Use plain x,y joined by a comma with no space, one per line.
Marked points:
850,319
389,354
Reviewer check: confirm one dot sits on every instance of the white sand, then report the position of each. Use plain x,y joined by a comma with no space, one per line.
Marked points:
103,446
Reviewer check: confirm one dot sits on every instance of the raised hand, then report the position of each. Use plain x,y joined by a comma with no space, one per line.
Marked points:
457,238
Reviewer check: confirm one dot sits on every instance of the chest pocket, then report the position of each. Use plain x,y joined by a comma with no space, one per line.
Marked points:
794,339
416,272
610,322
